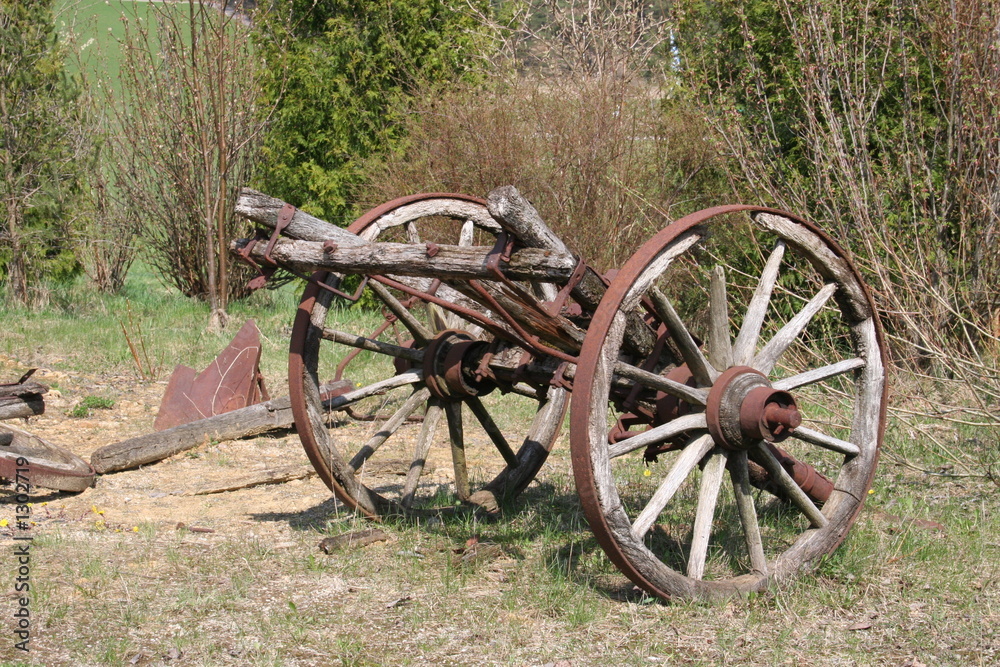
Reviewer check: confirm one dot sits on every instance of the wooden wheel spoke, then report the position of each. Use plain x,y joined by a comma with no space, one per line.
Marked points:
380,387
372,345
658,434
708,496
453,411
784,481
420,333
654,381
826,441
492,430
740,474
818,374
412,232
682,467
720,347
703,371
782,340
465,236
398,418
453,320
746,340
426,438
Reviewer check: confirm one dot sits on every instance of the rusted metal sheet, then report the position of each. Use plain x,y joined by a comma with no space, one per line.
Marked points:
232,381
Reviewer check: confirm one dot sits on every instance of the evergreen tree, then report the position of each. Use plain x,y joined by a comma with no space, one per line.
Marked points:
38,148
341,83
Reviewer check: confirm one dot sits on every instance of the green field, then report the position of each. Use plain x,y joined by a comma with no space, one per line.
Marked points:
93,29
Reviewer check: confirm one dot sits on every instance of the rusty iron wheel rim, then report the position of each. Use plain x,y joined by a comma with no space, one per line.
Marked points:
591,462
303,384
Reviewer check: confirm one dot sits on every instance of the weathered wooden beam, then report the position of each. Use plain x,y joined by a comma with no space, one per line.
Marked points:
23,399
447,262
12,407
252,420
264,210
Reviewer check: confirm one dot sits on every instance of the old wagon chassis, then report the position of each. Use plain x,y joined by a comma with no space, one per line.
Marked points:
481,299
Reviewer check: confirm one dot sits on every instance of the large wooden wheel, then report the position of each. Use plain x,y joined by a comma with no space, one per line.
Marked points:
423,437
766,330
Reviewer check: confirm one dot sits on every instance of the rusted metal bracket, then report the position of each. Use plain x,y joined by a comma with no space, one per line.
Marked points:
555,307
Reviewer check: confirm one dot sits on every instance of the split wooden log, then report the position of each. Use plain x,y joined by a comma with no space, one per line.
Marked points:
264,210
517,215
23,399
272,415
446,262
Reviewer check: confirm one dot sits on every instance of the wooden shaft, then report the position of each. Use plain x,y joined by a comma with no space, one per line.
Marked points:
244,422
449,262
263,210
518,216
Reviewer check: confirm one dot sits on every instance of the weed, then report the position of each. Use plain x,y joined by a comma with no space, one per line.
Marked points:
90,403
147,368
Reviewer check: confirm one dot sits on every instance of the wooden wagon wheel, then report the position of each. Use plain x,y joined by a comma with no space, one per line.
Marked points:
394,467
806,356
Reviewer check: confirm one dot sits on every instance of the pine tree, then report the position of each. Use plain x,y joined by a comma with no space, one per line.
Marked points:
38,146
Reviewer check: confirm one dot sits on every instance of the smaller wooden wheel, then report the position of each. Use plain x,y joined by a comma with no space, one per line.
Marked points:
422,434
784,396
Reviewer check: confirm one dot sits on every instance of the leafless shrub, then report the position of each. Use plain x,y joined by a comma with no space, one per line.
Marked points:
188,131
894,113
107,241
575,118
594,38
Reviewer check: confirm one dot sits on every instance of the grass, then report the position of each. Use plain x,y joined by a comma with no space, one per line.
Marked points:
93,28
896,590
892,593
88,332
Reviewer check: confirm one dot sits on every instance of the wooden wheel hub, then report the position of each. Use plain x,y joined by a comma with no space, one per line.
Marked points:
743,409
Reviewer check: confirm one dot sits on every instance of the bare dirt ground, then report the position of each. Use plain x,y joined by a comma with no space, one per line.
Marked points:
154,494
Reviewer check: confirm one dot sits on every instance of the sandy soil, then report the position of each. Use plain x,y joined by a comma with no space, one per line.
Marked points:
155,493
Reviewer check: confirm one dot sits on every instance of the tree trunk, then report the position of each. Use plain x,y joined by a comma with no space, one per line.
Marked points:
17,277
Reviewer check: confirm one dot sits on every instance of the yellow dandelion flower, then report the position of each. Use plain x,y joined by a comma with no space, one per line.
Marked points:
647,472
3,523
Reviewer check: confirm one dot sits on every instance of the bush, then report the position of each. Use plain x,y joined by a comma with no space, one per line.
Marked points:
606,161
880,121
339,72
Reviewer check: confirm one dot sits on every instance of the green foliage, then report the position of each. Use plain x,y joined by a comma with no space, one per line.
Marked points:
40,180
339,77
90,403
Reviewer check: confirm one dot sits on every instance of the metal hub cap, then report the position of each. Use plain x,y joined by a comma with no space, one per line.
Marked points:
743,409
448,361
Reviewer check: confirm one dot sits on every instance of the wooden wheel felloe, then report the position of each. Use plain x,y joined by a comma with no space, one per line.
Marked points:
786,394
425,434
